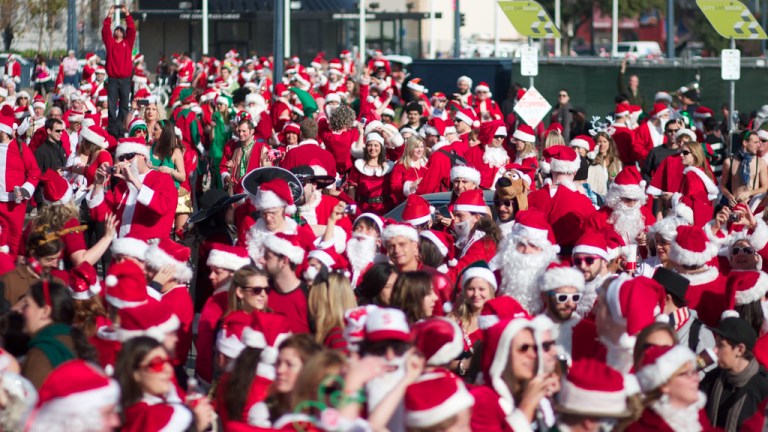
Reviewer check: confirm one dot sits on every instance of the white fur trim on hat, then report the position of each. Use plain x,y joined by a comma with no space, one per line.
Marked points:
681,210
522,136
756,293
131,247
595,402
449,351
265,200
231,346
83,401
591,250
580,143
126,148
295,254
481,87
157,332
559,277
429,235
253,338
374,136
629,191
465,172
399,230
157,259
479,272
684,131
654,375
416,86
565,167
457,402
226,260
470,208
322,256
688,258
89,135
465,118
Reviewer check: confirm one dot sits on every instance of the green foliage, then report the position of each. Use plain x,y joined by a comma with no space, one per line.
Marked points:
705,33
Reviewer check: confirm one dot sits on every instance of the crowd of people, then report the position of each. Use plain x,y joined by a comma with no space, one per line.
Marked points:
262,255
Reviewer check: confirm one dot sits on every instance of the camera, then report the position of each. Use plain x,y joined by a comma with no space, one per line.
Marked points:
111,169
350,209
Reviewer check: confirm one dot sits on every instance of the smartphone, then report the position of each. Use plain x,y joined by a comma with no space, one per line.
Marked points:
350,209
363,121
443,211
142,102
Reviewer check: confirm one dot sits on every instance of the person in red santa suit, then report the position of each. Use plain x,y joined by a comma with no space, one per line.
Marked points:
486,108
625,211
692,252
257,107
309,151
525,150
369,179
490,158
317,208
364,246
623,135
275,205
438,177
336,81
338,132
437,400
144,202
476,235
19,175
464,121
347,63
669,381
12,70
410,170
651,133
223,261
513,392
566,207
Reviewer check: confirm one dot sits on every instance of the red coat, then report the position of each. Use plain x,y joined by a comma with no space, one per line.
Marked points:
338,143
488,174
17,169
309,152
567,212
668,176
624,138
373,190
644,141
695,181
481,249
152,414
13,70
154,210
210,315
651,421
263,129
438,176
119,54
178,301
707,295
402,179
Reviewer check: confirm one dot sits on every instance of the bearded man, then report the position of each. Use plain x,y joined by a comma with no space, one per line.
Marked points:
491,157
625,211
364,246
523,256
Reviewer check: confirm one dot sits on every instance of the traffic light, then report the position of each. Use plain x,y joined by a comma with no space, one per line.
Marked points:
462,20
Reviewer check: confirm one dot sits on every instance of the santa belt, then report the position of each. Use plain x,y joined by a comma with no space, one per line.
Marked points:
375,200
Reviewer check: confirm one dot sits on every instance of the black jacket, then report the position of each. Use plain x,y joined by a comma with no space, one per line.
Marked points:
756,391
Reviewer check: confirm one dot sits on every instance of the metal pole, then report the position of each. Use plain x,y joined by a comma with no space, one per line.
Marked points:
277,47
558,42
530,82
496,8
72,25
671,29
732,103
456,29
287,28
205,27
432,48
361,52
615,29
764,23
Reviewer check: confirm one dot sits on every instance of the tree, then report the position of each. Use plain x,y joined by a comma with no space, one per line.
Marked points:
9,20
48,14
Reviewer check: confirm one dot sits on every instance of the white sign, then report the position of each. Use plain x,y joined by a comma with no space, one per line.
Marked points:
532,107
730,66
529,61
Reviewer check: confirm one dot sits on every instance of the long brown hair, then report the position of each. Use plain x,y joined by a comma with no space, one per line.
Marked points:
130,357
463,312
699,160
306,348
316,372
168,142
610,160
409,292
239,280
87,313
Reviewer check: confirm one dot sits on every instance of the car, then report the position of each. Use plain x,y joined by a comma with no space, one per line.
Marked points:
438,200
638,50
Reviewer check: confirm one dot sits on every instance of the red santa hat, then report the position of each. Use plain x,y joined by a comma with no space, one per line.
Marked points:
439,339
621,110
39,102
354,323
287,245
83,281
132,145
7,125
130,246
531,225
273,194
468,116
435,126
76,117
746,287
499,309
76,387
102,95
524,133
434,398
483,87
335,66
416,85
703,112
587,143
266,332
629,184
560,159
692,247
593,389
615,243
465,172
126,286
399,230
386,324
554,126
317,62
471,201
228,257
592,242
228,340
209,95
659,108
168,252
560,275
443,242
634,302
139,57
330,258
152,319
345,54
56,190
660,363
519,95
417,210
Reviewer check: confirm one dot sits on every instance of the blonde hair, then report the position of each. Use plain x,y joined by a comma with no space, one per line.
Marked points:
317,371
554,137
411,143
56,215
239,280
699,160
464,312
327,303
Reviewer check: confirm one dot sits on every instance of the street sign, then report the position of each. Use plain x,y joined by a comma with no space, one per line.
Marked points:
731,19
532,107
529,19
730,64
529,61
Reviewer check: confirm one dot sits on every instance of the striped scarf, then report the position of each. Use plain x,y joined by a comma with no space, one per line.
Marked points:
680,317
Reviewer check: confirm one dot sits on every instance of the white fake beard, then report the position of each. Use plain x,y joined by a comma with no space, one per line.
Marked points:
329,110
520,273
135,168
495,156
628,222
361,250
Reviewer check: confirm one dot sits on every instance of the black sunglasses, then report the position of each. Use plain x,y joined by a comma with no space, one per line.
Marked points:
524,348
685,152
589,260
564,297
746,250
256,290
505,203
672,131
57,130
125,157
546,346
